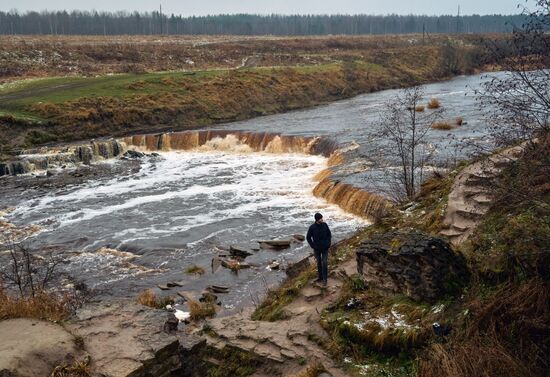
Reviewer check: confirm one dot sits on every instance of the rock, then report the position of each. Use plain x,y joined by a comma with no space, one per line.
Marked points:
218,288
50,173
274,265
208,296
275,244
134,154
297,268
124,339
173,284
412,263
171,323
216,263
310,293
234,264
441,330
288,353
34,348
299,237
238,251
187,296
163,287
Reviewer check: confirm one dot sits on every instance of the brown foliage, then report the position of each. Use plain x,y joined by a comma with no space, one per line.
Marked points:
202,310
444,126
79,368
507,336
434,104
150,299
43,305
313,370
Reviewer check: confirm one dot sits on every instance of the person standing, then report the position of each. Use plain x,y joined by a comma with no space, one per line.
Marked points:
320,238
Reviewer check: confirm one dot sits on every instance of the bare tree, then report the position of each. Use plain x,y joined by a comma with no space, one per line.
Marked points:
26,270
404,130
518,102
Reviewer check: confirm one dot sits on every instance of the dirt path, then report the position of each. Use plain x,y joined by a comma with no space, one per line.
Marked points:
289,342
472,194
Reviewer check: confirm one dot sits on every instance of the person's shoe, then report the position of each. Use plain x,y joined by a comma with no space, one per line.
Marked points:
318,281
324,283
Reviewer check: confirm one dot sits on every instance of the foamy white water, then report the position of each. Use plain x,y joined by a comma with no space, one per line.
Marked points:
179,209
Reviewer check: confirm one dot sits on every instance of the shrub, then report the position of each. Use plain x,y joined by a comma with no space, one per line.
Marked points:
150,299
202,310
419,108
43,305
194,269
434,104
442,126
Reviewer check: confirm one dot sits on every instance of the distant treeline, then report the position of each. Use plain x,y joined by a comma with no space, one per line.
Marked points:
107,23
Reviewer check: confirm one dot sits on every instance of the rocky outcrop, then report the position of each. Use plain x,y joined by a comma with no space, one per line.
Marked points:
120,339
417,265
127,339
45,158
471,194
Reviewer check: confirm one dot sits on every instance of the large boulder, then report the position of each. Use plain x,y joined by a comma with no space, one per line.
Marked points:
412,263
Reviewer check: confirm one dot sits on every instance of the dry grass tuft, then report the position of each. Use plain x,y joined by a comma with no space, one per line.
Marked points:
313,370
202,310
434,104
150,299
444,126
419,108
507,336
43,305
194,269
77,369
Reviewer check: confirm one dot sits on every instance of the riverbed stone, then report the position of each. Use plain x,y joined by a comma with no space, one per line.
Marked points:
412,263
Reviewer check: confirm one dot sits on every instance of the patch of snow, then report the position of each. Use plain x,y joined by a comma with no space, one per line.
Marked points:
438,308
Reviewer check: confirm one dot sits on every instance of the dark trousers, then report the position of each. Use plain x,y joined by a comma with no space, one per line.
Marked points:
322,264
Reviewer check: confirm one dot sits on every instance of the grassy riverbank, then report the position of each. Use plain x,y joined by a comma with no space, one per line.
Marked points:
498,321
58,109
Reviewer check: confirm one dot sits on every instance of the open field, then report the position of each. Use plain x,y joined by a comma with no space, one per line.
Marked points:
82,87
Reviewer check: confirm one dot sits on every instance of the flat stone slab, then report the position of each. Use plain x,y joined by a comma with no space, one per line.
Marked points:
310,293
123,338
31,347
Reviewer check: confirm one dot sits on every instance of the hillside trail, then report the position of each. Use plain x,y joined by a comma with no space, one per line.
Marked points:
293,343
472,194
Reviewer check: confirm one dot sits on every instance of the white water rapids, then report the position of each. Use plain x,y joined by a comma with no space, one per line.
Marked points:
178,210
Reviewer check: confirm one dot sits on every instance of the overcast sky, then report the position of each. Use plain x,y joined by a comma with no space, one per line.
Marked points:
202,7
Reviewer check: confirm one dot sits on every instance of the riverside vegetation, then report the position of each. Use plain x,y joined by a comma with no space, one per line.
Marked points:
182,83
499,320
495,322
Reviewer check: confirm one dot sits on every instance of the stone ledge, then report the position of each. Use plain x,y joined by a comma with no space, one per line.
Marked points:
422,267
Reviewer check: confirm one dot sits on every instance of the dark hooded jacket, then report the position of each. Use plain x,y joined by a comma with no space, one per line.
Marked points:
319,236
